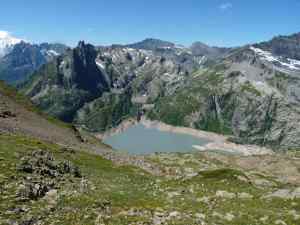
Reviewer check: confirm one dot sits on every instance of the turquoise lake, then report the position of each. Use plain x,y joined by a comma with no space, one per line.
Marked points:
139,139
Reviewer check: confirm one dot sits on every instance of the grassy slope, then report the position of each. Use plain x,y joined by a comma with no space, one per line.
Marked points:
124,188
25,102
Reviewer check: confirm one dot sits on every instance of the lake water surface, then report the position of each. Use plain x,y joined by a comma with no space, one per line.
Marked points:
139,139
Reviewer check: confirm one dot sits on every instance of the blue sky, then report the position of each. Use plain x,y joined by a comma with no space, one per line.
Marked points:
216,22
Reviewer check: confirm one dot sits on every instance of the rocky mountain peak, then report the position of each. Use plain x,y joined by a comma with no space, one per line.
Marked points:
81,44
152,44
87,75
200,49
85,50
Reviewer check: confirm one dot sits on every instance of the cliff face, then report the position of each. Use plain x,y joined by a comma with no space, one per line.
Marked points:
64,85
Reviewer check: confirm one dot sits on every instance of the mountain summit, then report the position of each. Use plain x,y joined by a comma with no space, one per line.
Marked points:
151,44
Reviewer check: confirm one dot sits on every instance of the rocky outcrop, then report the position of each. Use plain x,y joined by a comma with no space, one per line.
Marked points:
44,172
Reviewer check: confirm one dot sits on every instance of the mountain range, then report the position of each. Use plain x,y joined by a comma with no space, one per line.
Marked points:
249,92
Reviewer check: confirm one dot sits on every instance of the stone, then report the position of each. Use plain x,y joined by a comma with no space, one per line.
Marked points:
83,185
225,194
51,197
174,214
264,219
229,217
285,194
242,178
204,199
244,195
173,194
280,222
263,183
200,216
33,191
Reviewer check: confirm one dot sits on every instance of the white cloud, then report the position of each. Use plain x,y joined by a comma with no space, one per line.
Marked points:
4,34
225,6
7,36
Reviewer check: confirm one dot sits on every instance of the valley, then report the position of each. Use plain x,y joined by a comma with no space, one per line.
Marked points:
151,133
244,92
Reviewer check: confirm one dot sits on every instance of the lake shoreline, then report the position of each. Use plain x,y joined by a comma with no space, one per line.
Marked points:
217,141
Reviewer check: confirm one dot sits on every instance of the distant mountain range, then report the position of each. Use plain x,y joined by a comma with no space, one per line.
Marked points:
18,58
250,92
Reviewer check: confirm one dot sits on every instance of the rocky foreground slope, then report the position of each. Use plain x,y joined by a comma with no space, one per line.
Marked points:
251,92
50,174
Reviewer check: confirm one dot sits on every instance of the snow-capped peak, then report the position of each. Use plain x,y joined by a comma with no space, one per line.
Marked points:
7,41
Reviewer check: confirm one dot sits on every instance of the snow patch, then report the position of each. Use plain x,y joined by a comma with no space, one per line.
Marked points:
52,52
100,65
203,58
291,64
